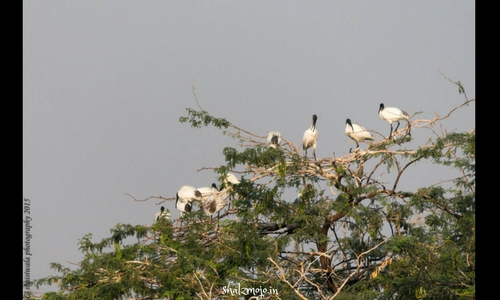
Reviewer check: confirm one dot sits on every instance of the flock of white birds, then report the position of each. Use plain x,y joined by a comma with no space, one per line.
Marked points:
213,200
353,130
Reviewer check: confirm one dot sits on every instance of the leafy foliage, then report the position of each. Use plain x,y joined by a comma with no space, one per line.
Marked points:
348,234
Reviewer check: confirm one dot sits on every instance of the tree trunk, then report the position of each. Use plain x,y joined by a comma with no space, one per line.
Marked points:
326,261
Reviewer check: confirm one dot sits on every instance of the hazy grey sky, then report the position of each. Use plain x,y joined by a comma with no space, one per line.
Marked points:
105,82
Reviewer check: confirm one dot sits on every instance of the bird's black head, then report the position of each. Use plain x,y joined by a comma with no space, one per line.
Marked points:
187,208
274,140
162,208
214,186
315,118
381,107
348,121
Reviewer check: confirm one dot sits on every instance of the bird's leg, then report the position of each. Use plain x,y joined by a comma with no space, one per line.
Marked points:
218,219
314,154
408,132
397,127
230,197
390,133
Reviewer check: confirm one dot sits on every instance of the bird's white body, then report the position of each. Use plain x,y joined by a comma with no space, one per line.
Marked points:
393,114
228,182
183,206
357,132
310,137
274,139
185,196
231,178
215,202
189,193
206,192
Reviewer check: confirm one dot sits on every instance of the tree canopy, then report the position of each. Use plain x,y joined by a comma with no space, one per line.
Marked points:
351,233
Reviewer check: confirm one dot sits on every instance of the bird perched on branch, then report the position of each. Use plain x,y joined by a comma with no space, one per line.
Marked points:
310,138
230,179
357,132
207,192
227,183
393,114
274,139
162,214
212,199
184,198
215,203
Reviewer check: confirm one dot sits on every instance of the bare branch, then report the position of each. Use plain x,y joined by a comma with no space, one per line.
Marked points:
358,261
163,199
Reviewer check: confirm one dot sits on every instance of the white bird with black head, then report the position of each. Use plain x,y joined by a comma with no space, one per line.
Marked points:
184,198
274,139
310,137
357,132
215,203
207,192
393,114
227,185
162,214
231,179
212,199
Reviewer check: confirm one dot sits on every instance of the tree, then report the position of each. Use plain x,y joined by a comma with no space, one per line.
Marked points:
352,233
